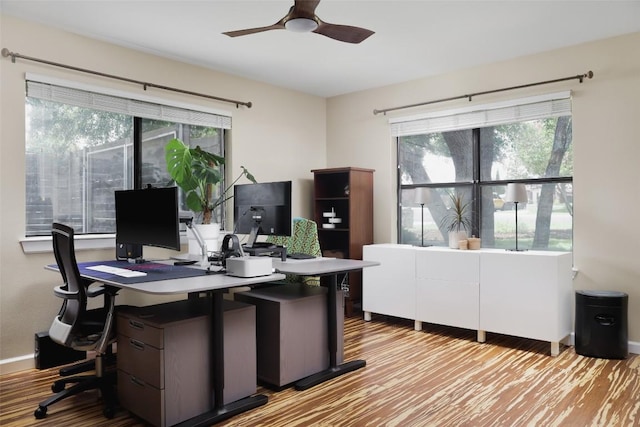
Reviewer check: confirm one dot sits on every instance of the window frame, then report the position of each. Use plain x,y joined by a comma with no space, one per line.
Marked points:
42,243
407,126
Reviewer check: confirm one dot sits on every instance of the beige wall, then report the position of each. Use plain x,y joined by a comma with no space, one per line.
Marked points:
282,137
286,134
606,135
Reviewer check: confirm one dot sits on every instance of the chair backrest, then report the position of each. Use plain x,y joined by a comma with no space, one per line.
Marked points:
73,309
303,239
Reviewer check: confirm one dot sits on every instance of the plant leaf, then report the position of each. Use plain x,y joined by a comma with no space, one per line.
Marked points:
178,158
193,202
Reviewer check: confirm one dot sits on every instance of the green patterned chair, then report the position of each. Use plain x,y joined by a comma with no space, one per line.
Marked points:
304,239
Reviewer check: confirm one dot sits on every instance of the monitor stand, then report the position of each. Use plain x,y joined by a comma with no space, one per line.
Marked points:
129,252
266,248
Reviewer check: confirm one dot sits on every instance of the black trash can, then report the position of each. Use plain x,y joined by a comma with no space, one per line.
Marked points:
601,324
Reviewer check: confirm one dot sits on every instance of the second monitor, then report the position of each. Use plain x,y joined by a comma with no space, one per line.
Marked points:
262,209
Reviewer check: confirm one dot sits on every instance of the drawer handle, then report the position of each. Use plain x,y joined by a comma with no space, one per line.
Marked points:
138,382
136,344
136,325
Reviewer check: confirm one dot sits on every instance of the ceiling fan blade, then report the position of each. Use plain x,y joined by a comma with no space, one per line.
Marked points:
276,26
343,33
304,8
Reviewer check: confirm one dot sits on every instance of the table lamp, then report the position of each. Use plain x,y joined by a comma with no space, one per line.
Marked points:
421,197
516,193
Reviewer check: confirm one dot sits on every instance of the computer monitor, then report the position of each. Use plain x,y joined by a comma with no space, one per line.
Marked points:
147,217
262,208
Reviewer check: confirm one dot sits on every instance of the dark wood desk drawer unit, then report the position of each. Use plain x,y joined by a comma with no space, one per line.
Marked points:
164,373
292,331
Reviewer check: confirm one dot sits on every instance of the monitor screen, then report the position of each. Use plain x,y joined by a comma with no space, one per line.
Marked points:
262,208
148,217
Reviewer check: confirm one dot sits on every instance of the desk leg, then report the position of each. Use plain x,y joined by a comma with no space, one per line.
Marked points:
221,411
334,369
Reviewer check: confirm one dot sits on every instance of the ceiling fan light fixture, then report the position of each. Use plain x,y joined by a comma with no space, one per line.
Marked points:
301,25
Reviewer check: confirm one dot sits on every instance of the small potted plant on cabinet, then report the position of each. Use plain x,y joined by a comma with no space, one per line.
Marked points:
457,220
197,172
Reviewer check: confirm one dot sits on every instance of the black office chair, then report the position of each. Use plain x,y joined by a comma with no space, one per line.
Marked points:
77,327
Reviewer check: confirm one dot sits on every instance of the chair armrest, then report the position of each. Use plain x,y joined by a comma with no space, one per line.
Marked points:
61,292
95,291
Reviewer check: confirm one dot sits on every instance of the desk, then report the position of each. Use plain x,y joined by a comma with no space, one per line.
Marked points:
214,283
330,267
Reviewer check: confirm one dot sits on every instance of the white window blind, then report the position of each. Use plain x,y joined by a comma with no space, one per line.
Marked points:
121,105
519,110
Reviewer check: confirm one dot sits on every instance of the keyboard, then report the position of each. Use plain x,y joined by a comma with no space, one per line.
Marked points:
299,255
122,272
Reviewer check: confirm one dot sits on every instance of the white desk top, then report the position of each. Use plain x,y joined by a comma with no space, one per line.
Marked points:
189,284
196,284
320,266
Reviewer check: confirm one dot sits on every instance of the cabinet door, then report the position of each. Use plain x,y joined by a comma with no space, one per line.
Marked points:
390,287
447,287
527,294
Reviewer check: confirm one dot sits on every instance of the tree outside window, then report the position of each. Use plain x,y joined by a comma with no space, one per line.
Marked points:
481,162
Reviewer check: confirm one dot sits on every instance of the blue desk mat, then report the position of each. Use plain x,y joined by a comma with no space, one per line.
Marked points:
155,271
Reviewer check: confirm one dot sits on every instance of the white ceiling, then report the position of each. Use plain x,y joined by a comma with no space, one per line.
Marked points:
413,38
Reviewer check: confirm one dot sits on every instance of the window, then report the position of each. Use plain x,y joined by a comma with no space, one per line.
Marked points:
83,146
529,141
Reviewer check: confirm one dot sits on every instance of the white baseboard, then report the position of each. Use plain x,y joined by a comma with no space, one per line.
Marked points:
22,363
16,364
28,361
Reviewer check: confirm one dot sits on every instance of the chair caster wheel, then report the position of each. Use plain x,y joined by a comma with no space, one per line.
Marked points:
109,412
40,413
57,387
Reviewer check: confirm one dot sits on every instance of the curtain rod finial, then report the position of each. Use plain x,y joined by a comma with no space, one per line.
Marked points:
588,75
6,52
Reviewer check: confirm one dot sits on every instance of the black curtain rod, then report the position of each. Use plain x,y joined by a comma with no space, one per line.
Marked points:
6,53
580,77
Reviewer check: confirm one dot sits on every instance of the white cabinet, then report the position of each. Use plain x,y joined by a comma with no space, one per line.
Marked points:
389,288
526,294
447,287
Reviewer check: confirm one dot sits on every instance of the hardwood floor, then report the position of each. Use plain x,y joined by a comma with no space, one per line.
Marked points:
437,377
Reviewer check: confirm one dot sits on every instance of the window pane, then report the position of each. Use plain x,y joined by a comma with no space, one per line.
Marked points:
75,158
437,214
544,222
436,158
156,134
532,149
538,153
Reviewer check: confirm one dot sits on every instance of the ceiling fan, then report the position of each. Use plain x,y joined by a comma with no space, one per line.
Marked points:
302,18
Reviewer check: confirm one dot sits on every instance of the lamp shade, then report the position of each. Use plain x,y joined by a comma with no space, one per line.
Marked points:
516,193
421,195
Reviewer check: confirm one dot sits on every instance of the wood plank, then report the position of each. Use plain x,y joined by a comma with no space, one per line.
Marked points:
438,376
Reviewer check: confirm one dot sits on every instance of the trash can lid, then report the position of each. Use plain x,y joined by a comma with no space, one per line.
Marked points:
602,294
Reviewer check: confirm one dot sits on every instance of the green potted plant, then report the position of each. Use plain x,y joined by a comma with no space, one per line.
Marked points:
197,172
457,220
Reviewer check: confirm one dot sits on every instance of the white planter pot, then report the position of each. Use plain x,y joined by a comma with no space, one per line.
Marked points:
455,237
210,233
